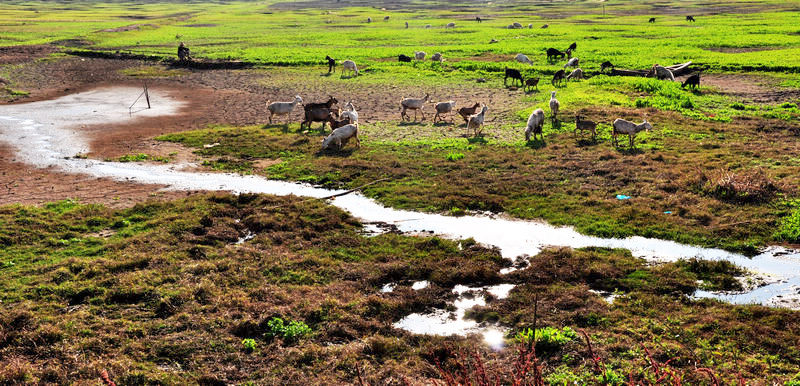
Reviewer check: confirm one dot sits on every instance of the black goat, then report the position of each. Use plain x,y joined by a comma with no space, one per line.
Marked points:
513,74
559,76
606,65
331,63
404,58
478,19
652,20
573,46
690,18
552,53
692,81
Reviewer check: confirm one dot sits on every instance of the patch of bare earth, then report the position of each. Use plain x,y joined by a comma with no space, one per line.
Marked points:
749,88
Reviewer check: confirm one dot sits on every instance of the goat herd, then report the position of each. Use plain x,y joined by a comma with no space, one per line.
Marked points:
344,124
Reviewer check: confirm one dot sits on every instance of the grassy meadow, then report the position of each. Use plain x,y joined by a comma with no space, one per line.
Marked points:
178,293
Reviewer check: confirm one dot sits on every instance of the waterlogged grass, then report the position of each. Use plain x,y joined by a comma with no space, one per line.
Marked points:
168,283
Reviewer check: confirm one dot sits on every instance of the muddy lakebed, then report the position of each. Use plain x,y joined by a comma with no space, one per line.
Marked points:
50,134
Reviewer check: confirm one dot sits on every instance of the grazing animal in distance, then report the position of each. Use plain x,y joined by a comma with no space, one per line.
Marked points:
406,24
386,18
350,112
690,18
465,112
652,20
661,73
572,46
183,53
585,125
545,26
404,58
319,112
475,121
478,19
569,53
575,74
443,108
574,62
514,75
282,108
419,55
558,77
349,65
553,53
621,126
437,57
339,137
530,26
535,122
531,83
427,26
605,66
692,81
413,104
522,58
369,20
554,106
331,64
450,25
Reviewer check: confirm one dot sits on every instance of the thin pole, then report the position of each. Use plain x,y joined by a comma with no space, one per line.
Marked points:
146,95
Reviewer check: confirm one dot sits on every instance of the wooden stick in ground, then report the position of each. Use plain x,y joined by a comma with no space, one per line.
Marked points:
331,196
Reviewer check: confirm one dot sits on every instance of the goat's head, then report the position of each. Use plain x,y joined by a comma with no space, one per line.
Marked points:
646,125
552,94
332,101
298,99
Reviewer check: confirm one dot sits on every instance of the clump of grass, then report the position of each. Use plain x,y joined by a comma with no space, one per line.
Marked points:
547,338
716,275
249,344
743,186
290,333
141,157
789,229
454,156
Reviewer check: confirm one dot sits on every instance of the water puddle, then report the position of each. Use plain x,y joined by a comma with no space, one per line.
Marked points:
48,134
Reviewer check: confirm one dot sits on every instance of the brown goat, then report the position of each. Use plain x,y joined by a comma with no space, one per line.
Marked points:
465,112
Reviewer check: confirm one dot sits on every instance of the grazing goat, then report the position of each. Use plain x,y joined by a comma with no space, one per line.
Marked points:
282,108
350,112
621,126
558,77
413,104
419,55
513,74
582,125
573,46
478,19
554,106
369,20
339,137
692,81
652,20
531,83
183,52
530,26
522,58
450,25
331,64
517,25
475,121
443,108
349,65
574,62
318,112
337,124
690,18
427,26
404,58
606,65
406,24
437,57
661,73
575,74
569,53
386,18
535,122
465,112
545,26
552,53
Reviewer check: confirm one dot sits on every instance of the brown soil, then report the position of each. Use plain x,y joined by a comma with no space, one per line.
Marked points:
132,27
749,88
21,54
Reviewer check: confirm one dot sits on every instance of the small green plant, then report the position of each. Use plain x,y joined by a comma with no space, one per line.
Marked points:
454,156
290,333
738,106
249,344
789,229
547,338
788,105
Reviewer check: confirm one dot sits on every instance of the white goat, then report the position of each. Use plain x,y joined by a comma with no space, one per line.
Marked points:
350,113
522,58
530,26
282,108
437,57
475,122
574,62
419,55
413,104
339,137
443,108
554,105
661,72
450,25
535,122
621,126
349,65
575,74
